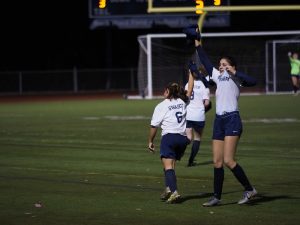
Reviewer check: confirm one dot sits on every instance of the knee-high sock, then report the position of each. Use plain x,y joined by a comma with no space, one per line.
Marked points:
241,177
295,88
218,182
171,179
194,151
165,177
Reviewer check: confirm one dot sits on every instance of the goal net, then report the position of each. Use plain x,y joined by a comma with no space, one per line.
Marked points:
278,66
163,58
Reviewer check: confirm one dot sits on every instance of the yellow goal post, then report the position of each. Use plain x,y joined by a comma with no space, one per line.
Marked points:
152,9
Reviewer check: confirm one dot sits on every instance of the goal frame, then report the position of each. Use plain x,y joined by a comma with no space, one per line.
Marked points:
271,61
147,48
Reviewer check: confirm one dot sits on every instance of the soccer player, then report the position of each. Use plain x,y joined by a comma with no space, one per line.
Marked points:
170,115
227,124
199,102
295,71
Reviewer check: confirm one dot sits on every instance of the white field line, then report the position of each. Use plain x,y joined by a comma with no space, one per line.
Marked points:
252,120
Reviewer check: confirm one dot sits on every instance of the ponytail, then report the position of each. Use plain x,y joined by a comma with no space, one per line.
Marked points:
177,91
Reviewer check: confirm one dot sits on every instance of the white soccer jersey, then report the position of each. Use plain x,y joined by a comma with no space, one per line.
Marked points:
227,93
196,109
170,115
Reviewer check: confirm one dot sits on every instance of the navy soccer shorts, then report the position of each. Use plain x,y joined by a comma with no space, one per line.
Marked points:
196,125
229,124
173,146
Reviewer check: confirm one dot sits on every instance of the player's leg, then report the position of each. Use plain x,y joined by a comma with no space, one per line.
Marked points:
217,150
171,180
298,83
169,169
295,83
167,158
218,155
171,153
217,147
230,146
195,146
167,192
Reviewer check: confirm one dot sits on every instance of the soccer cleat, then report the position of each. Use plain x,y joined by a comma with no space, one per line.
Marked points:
165,195
174,198
212,202
247,196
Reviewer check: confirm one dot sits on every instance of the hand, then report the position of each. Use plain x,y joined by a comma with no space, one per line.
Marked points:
206,102
207,105
151,147
231,70
194,70
289,54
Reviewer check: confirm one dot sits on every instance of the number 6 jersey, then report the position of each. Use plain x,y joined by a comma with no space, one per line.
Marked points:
170,115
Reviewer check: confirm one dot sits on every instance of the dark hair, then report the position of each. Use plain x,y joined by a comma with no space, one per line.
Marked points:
203,70
176,91
229,59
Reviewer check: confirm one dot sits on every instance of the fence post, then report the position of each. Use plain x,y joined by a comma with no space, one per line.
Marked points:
20,83
132,79
75,79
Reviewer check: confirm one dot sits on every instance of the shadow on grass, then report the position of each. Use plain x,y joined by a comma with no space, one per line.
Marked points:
198,196
201,164
205,163
259,199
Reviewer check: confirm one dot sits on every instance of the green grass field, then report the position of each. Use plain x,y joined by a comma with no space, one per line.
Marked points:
87,163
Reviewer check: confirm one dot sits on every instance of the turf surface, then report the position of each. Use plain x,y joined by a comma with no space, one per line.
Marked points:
86,162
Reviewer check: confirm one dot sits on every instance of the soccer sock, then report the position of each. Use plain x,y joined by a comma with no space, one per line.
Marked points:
218,182
295,88
241,177
171,179
166,183
194,151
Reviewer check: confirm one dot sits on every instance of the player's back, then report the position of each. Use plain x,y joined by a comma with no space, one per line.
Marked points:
195,108
170,115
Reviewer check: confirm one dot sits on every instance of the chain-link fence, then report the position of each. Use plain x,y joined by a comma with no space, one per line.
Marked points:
68,81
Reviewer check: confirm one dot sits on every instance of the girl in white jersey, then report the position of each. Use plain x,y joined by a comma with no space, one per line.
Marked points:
227,125
199,102
170,115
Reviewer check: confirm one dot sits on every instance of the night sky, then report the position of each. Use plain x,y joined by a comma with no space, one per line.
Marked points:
46,35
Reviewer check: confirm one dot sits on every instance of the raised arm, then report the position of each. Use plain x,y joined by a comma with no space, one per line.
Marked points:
204,58
246,81
197,74
192,33
190,85
240,78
